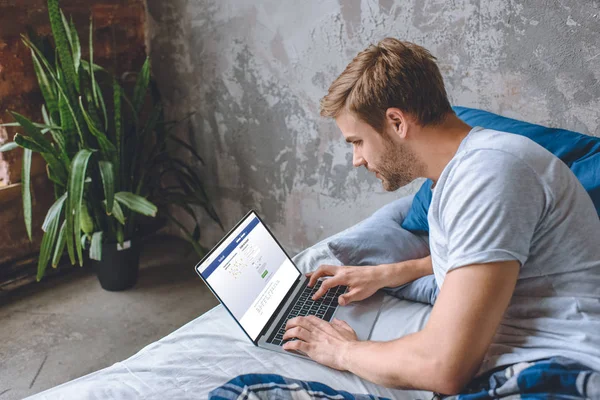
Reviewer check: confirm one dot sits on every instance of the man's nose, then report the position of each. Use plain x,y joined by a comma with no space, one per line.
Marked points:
357,159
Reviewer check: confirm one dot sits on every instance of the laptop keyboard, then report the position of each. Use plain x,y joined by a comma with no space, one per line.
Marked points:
323,308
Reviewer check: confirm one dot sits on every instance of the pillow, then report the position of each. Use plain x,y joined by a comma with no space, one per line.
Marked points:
380,239
580,152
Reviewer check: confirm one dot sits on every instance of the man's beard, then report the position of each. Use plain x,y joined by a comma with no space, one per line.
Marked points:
398,167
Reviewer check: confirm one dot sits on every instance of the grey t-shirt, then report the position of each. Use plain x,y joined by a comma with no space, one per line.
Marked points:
503,197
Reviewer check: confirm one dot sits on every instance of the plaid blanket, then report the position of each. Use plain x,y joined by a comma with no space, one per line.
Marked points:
553,378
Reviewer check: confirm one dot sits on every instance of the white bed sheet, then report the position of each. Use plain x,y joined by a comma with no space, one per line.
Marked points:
210,350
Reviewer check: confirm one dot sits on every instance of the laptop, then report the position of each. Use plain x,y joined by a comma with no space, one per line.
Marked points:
260,286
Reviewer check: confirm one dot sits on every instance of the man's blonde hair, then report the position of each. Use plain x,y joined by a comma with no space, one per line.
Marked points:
392,73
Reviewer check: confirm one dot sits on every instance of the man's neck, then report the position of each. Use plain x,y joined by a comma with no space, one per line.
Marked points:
437,145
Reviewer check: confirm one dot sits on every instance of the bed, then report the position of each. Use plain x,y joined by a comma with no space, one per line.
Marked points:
210,350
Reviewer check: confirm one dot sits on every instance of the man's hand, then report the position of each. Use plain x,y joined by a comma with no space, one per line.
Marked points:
362,282
324,342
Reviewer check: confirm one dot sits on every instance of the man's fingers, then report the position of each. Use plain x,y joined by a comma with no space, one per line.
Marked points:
325,286
299,321
342,324
348,298
323,270
297,332
297,345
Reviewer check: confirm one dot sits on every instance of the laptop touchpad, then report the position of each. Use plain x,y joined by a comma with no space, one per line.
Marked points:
361,316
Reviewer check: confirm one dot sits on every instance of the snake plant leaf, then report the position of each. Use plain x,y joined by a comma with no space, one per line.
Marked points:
75,196
48,91
67,28
75,46
102,104
60,245
54,211
117,95
66,106
58,168
87,224
117,212
108,181
96,246
136,203
62,46
8,147
26,143
56,133
47,246
90,70
120,234
26,189
107,149
33,132
141,86
97,68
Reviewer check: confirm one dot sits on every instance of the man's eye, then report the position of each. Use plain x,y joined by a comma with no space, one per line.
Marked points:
358,142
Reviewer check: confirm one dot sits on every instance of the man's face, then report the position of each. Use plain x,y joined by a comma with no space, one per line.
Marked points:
390,160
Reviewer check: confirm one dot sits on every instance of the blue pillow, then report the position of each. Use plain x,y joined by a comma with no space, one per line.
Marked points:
580,152
380,239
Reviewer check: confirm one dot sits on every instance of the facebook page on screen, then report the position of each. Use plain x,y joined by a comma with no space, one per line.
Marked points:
250,273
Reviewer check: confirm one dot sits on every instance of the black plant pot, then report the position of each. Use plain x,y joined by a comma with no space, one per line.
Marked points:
118,269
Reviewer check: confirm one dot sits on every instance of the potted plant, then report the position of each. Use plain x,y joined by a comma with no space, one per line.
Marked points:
107,154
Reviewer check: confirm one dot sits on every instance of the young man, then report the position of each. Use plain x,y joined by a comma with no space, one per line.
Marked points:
514,237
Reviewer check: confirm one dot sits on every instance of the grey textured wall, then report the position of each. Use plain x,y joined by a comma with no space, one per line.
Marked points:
253,72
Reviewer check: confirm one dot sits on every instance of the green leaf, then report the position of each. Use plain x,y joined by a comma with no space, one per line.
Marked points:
67,28
8,147
74,199
75,46
117,94
46,88
91,72
33,132
120,235
26,190
66,106
141,86
47,246
54,212
102,105
117,212
58,169
106,147
87,224
62,46
108,181
60,245
95,67
57,135
96,246
136,203
26,143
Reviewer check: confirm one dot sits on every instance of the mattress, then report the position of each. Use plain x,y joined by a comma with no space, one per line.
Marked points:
211,349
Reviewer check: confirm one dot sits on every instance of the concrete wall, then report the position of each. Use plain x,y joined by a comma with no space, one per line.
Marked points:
253,72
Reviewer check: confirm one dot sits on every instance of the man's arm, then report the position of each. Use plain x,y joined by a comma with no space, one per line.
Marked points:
444,356
364,281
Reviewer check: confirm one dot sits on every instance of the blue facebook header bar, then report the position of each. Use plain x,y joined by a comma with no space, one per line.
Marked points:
215,264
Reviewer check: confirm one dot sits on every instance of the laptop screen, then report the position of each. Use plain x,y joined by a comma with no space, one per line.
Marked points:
250,273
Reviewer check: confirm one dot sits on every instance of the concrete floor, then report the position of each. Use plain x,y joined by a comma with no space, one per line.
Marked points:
68,326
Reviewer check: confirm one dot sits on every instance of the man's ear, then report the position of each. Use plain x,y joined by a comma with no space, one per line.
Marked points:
396,121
